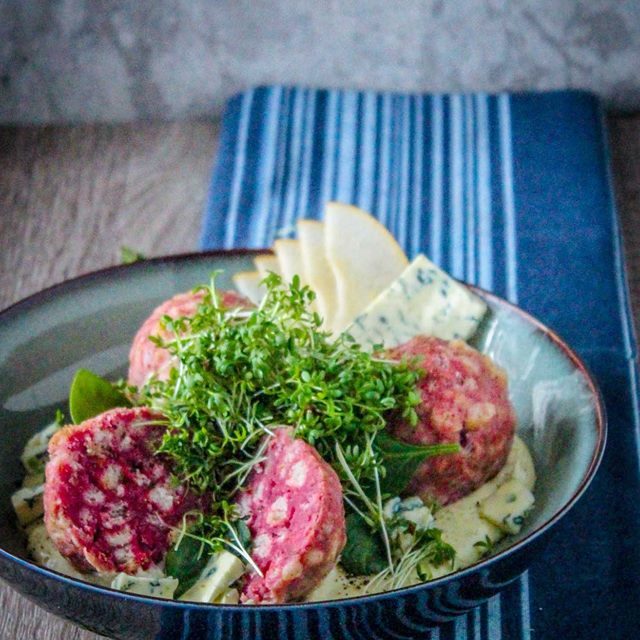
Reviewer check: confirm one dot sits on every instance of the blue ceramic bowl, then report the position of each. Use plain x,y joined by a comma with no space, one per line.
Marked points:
90,321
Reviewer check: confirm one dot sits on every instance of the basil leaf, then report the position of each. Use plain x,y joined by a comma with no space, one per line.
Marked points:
90,395
186,562
401,460
363,554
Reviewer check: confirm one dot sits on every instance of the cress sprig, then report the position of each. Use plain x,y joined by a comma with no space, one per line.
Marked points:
241,372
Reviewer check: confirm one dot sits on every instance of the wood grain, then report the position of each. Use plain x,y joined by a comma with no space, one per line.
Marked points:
70,197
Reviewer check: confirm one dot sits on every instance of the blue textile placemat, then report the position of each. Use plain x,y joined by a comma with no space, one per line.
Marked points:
510,192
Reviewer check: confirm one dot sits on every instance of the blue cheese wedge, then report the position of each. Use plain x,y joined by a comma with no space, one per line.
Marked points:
508,506
28,504
423,300
158,587
412,509
222,570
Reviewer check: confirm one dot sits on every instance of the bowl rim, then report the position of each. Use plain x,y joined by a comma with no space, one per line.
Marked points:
43,295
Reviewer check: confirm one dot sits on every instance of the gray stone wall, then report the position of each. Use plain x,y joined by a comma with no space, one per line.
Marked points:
86,60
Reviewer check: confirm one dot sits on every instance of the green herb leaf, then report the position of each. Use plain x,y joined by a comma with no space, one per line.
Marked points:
434,552
401,460
129,256
90,395
59,418
484,546
185,561
243,533
364,553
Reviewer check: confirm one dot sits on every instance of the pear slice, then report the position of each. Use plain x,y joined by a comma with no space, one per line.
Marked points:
317,270
289,258
265,263
248,284
289,254
364,256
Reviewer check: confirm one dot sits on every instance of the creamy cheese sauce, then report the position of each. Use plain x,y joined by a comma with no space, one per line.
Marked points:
44,552
461,524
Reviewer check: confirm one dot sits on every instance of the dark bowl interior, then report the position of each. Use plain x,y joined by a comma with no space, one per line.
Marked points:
90,321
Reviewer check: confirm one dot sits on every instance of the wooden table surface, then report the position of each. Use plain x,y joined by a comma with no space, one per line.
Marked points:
70,197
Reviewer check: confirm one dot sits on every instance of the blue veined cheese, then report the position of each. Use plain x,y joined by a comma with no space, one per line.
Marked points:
412,509
158,587
461,523
28,504
508,506
424,300
36,448
222,570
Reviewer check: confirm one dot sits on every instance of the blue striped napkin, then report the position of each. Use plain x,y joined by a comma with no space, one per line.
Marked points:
510,192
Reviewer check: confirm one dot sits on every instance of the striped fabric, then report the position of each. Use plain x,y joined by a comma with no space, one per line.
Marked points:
510,192
394,155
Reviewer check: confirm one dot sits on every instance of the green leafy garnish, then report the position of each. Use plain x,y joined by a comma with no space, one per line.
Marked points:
416,551
90,395
219,531
198,541
433,551
244,535
401,460
185,561
59,419
484,546
363,553
129,256
242,372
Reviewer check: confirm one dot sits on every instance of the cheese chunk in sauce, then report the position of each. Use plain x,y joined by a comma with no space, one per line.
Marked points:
158,587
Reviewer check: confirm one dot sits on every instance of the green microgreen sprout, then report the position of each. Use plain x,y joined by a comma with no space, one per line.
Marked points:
217,532
416,551
484,546
240,373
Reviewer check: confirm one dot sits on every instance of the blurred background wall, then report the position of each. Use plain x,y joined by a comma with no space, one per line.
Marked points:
92,60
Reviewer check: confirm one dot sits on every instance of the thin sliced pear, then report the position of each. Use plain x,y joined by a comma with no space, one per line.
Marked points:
289,258
317,270
265,263
289,254
248,284
364,256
